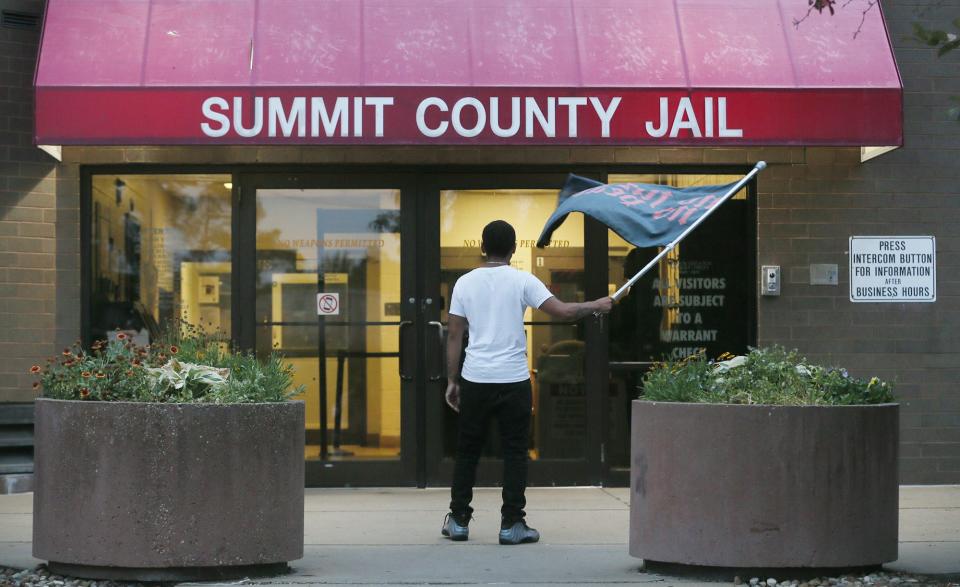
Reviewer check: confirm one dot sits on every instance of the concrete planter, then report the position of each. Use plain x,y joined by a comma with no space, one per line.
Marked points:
168,491
764,486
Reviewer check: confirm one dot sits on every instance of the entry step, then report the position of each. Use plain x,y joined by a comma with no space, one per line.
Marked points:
19,483
15,414
16,462
17,435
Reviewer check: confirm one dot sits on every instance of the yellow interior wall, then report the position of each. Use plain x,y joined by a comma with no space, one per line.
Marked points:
306,373
464,213
282,221
192,308
383,378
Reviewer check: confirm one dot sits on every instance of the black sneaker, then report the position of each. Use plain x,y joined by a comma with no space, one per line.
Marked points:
455,530
518,533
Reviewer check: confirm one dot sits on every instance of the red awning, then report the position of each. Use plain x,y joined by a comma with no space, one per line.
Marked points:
623,72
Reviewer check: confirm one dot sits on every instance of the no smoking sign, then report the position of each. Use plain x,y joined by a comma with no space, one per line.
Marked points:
328,304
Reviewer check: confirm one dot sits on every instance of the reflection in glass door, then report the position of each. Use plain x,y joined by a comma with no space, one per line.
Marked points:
328,279
160,253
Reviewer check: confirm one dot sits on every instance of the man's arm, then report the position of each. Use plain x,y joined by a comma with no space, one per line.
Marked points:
456,326
576,310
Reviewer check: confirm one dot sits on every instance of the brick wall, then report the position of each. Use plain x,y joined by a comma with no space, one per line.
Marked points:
38,224
807,213
811,201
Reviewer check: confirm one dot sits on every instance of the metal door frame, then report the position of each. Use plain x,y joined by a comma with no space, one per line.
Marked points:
337,473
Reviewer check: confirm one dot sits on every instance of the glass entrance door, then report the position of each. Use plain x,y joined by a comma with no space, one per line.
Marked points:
563,446
350,280
328,280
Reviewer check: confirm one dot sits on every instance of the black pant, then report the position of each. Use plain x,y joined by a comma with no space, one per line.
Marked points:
511,404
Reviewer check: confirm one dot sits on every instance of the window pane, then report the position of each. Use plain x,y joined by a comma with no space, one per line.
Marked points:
160,251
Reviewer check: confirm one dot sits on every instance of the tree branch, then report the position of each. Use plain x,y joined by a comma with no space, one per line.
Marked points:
798,21
863,15
819,5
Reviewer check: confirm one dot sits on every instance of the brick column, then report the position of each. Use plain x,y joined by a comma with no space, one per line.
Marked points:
39,224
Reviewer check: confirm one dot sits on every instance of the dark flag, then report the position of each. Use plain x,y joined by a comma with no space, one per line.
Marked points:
645,215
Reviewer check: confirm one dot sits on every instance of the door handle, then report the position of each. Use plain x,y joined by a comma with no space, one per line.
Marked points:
403,355
439,327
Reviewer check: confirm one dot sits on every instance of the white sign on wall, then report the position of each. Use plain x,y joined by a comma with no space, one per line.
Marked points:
893,269
328,304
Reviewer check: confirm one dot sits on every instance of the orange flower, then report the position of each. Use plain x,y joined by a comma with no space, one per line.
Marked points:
84,392
36,384
121,336
85,374
68,364
129,373
66,352
35,369
100,375
135,362
174,350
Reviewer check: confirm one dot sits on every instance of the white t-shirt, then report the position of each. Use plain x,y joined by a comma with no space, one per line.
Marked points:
493,300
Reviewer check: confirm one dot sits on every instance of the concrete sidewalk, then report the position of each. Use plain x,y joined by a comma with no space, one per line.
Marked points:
391,537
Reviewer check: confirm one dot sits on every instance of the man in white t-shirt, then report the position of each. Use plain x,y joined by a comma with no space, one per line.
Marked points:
489,302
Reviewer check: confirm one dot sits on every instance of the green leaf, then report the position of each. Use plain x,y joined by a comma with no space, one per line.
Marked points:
932,37
948,47
920,33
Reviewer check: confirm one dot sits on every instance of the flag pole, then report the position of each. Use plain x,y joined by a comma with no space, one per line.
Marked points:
736,188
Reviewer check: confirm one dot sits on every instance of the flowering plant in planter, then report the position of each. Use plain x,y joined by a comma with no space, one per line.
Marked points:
186,365
763,460
769,376
195,419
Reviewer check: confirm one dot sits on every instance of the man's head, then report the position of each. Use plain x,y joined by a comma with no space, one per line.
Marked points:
499,239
